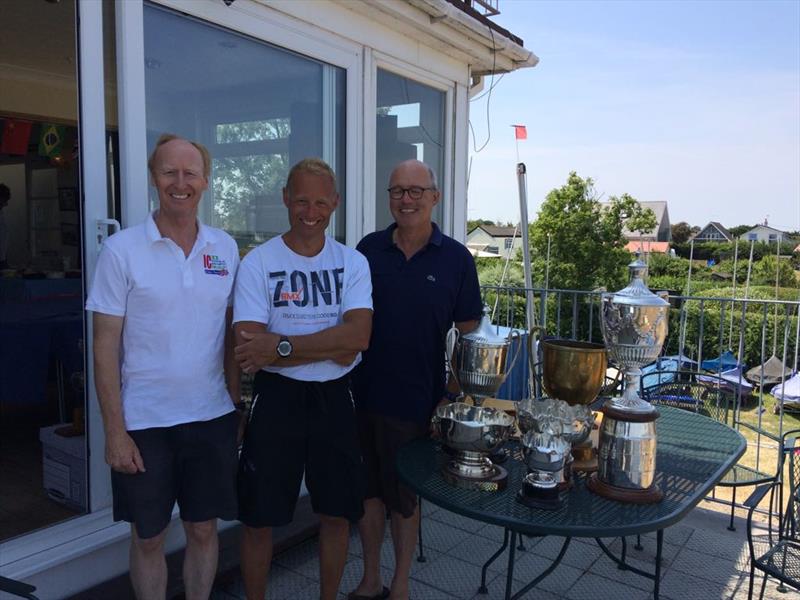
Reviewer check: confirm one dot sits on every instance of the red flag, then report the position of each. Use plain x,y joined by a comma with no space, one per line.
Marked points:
520,132
15,137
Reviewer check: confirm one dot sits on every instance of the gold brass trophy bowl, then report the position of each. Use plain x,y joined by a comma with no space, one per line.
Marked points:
573,371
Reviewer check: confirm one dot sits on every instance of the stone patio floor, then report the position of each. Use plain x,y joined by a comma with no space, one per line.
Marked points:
701,560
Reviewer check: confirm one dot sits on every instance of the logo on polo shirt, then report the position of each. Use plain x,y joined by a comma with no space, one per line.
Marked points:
214,265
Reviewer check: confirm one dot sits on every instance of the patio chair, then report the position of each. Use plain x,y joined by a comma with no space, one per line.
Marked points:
710,398
17,588
775,546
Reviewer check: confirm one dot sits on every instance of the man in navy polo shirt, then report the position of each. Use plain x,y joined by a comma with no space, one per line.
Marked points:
422,283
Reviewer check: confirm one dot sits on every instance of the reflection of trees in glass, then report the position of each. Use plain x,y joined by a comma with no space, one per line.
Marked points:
244,182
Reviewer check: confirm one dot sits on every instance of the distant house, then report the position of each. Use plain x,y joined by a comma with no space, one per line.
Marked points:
501,241
646,247
662,232
713,232
763,233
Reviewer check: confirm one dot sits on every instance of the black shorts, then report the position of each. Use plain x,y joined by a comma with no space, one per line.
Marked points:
381,437
296,427
193,463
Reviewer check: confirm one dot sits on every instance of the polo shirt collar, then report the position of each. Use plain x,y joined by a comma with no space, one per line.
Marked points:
435,239
205,235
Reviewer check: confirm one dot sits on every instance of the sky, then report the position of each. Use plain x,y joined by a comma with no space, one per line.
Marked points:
693,102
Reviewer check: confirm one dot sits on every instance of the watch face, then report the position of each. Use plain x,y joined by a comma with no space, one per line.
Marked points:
284,348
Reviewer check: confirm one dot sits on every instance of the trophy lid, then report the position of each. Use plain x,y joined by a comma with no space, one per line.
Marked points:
485,332
636,293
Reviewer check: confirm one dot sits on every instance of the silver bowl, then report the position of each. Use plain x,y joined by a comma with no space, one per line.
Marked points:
554,417
544,452
466,428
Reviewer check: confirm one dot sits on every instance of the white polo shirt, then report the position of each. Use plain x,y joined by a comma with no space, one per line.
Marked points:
297,295
174,331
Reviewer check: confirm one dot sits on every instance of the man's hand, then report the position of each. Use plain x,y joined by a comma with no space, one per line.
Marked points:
257,351
122,454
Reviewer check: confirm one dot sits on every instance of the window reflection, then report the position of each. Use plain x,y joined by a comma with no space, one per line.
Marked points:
410,124
258,108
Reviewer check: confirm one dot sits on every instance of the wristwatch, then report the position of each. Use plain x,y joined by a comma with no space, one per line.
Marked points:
284,348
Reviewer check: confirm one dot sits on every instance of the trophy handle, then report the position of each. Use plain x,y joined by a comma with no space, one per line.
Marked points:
532,357
513,335
450,346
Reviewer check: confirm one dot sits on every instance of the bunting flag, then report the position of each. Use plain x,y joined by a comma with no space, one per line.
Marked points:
51,140
16,135
520,132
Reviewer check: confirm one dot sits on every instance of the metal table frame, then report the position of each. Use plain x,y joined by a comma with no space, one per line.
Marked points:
694,453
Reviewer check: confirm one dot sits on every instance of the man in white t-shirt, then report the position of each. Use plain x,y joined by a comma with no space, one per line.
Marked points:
302,316
166,375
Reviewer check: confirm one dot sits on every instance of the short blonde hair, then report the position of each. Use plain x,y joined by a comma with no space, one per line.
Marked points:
314,166
168,137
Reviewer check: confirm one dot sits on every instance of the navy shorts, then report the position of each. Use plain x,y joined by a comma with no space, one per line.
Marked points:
298,427
381,438
191,463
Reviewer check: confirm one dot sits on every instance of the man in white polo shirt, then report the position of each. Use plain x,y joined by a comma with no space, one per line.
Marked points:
165,372
302,314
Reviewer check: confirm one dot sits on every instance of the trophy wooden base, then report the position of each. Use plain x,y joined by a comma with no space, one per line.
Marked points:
649,495
494,482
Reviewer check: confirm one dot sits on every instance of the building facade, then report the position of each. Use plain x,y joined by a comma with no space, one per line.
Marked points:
502,241
87,88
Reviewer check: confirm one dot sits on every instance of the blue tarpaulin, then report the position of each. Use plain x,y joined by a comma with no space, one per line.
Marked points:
725,362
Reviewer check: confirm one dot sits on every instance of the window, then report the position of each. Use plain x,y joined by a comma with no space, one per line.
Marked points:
410,124
257,107
752,236
773,237
509,243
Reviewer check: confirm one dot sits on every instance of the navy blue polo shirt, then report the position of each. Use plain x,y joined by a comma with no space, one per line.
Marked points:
402,374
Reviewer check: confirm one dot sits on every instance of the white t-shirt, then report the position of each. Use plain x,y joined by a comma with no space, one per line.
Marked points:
174,331
297,295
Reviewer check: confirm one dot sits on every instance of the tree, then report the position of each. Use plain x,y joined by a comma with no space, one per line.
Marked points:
681,232
764,272
739,230
587,241
473,223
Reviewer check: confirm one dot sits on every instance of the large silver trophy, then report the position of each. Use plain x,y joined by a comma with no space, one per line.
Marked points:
634,324
479,362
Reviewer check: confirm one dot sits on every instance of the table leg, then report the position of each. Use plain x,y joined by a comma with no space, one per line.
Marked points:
541,575
659,545
510,569
483,589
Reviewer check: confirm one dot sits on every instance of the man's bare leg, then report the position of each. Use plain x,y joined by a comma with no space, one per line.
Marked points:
371,529
333,538
200,560
255,559
404,539
148,566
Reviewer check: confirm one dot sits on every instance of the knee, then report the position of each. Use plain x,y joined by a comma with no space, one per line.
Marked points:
202,533
151,545
334,524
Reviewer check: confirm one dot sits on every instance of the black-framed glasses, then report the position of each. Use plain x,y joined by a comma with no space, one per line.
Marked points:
414,192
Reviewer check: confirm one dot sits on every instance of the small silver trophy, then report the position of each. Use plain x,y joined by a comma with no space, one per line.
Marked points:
634,324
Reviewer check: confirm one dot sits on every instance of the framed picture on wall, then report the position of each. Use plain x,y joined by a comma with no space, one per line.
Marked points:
67,199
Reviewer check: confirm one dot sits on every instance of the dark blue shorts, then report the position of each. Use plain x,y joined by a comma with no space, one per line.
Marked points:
191,463
296,428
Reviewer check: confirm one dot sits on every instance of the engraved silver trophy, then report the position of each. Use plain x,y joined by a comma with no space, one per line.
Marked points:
634,324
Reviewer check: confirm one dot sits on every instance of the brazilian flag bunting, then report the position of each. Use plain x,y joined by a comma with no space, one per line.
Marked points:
51,140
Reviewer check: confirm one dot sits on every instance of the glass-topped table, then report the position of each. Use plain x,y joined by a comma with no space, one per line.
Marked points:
694,453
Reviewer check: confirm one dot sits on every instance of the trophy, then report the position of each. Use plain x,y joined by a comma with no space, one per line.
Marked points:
553,428
478,359
634,324
472,433
478,362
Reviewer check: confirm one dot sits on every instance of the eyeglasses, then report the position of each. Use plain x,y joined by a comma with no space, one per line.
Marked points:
414,192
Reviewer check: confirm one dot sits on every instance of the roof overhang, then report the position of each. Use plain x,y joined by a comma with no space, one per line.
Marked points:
448,28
